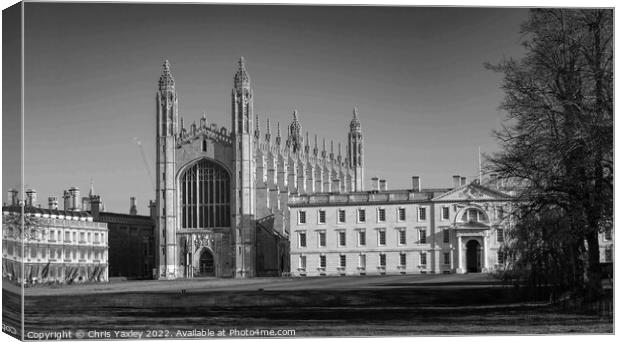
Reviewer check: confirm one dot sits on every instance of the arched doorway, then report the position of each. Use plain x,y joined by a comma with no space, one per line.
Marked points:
206,265
473,256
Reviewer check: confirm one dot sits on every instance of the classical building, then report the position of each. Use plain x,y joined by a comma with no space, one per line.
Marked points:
451,230
59,246
220,192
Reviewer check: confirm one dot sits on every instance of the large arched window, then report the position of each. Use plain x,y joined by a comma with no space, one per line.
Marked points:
205,196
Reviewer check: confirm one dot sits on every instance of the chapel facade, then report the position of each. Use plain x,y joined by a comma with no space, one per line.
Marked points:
222,194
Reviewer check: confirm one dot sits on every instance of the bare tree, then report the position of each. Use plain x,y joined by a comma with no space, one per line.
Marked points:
558,142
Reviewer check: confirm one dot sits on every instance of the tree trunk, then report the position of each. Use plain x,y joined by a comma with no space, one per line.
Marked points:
594,286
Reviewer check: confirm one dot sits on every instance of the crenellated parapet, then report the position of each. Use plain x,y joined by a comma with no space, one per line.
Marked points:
203,130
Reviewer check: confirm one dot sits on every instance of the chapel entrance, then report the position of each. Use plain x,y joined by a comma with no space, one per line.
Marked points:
206,266
473,256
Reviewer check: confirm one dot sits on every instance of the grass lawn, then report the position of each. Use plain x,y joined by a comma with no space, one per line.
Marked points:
351,306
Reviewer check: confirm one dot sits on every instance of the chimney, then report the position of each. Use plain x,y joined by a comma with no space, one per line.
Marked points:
31,197
374,181
463,181
383,185
12,197
132,206
456,181
74,198
415,183
95,206
152,210
53,202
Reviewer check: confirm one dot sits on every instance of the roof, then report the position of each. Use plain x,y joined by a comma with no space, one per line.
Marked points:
46,211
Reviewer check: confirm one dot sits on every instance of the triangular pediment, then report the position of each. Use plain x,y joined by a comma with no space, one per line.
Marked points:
472,192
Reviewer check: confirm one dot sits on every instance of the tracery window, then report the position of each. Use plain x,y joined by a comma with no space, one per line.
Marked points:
205,196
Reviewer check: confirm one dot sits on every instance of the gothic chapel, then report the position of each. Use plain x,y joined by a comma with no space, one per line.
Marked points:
222,201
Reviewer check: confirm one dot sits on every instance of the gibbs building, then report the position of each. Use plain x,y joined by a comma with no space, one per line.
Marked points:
222,195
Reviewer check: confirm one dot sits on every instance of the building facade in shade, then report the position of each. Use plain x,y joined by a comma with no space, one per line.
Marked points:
131,240
452,230
59,246
214,184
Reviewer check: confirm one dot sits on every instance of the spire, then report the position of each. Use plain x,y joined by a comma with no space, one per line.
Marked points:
324,152
339,151
355,125
316,149
294,134
268,135
242,79
278,137
331,154
307,144
166,81
257,131
92,188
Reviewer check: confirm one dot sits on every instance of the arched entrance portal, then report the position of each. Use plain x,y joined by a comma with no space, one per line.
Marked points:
473,256
206,266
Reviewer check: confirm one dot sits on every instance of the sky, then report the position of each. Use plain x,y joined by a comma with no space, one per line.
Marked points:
425,101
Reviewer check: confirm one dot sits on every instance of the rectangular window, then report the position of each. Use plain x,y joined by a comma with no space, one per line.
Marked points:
446,235
381,215
302,261
361,215
445,213
322,239
402,237
322,261
82,240
341,216
423,259
401,214
33,252
382,238
422,214
362,238
382,260
59,236
67,237
302,239
342,239
74,236
89,238
302,217
343,260
446,258
362,261
321,216
96,237
608,233
52,235
500,235
422,235
403,259
500,213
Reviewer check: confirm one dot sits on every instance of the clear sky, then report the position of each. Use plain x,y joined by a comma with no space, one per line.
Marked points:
416,75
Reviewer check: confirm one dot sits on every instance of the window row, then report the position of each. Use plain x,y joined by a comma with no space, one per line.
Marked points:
341,217
361,260
57,253
341,236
